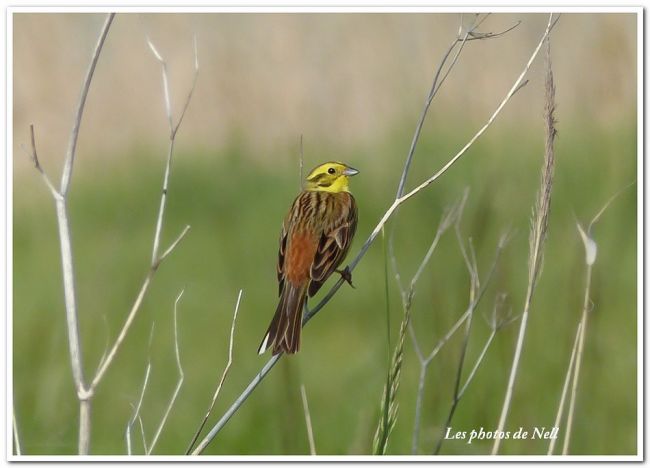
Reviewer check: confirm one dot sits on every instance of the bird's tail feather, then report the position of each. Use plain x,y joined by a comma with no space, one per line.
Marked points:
283,333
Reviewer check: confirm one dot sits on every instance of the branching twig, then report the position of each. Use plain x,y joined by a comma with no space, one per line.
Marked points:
84,395
459,41
221,381
474,290
450,216
455,215
386,216
172,136
156,259
476,294
496,324
85,392
310,432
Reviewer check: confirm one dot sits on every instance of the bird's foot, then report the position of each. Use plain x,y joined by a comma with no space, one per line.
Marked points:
346,274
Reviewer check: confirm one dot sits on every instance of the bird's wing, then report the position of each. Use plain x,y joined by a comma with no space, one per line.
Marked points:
281,251
332,247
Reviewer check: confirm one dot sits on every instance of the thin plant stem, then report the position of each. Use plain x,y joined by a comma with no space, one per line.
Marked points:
537,236
477,364
237,404
136,411
136,416
310,431
578,363
179,383
473,291
66,177
565,388
459,392
419,397
16,436
223,375
386,295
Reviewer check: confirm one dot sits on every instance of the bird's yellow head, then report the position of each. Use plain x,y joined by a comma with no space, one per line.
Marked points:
329,177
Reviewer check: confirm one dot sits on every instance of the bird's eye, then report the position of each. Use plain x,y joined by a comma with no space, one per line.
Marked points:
331,170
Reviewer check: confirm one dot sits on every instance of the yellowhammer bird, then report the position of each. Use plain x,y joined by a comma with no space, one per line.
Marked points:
316,235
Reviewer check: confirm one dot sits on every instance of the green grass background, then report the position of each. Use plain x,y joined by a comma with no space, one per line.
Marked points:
235,207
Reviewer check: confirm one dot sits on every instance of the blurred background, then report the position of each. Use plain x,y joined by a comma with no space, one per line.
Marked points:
353,86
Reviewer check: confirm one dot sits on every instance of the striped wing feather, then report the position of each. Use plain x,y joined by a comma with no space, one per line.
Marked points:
333,247
281,250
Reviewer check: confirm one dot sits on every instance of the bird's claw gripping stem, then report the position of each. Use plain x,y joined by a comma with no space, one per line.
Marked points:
346,274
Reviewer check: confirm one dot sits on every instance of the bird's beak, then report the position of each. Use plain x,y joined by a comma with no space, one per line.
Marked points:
350,171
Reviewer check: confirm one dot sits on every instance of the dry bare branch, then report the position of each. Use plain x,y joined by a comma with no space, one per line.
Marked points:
172,136
496,323
460,40
84,395
156,259
449,217
474,291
